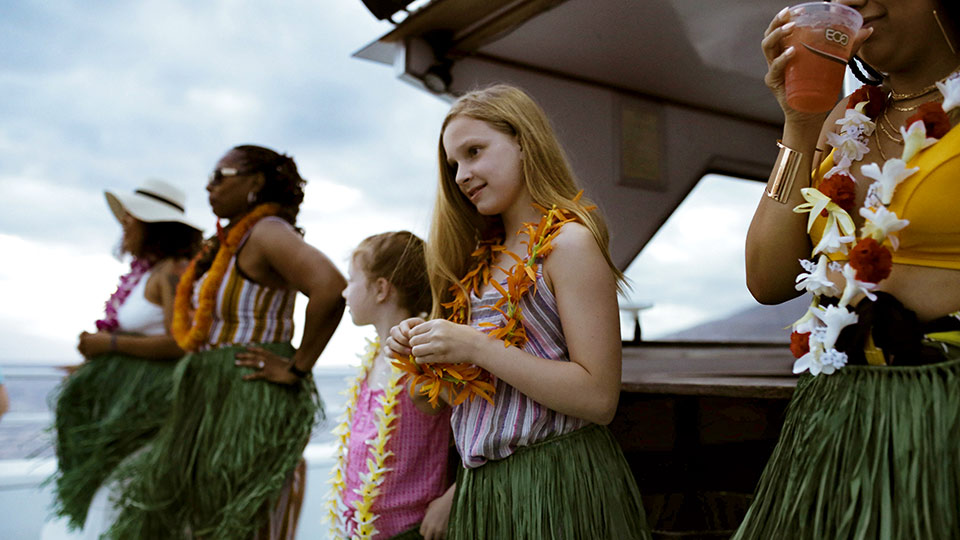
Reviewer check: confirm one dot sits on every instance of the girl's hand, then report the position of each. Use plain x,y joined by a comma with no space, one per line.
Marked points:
91,345
434,524
270,367
398,344
441,341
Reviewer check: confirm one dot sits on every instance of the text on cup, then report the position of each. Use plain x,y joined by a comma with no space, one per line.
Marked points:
837,36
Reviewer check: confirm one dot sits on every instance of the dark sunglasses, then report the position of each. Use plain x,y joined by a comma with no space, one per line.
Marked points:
218,175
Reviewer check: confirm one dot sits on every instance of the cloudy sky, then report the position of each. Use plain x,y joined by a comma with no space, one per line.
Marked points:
100,95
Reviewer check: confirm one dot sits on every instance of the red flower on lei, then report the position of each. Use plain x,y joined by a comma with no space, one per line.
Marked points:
871,260
799,343
841,189
934,119
874,96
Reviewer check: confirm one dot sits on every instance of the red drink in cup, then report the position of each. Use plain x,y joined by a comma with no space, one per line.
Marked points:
823,39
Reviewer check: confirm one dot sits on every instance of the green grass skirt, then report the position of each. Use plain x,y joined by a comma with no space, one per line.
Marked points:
221,459
867,452
105,411
576,485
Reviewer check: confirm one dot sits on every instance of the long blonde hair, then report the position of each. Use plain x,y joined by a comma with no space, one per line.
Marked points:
457,225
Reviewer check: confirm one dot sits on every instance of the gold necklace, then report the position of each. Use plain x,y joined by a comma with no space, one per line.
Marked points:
880,146
896,96
883,128
912,108
903,97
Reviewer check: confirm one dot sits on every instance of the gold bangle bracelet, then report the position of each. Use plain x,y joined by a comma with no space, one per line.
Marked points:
785,173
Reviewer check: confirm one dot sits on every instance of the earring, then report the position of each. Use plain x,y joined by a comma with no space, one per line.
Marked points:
943,31
251,197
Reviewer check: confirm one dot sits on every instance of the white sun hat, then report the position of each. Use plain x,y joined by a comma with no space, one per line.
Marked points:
152,202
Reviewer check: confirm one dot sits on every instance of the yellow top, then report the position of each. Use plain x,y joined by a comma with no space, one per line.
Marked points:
929,199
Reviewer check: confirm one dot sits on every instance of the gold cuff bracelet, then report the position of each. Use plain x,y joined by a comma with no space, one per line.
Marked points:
785,172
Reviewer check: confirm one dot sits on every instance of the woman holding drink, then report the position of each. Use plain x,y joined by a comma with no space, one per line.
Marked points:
868,448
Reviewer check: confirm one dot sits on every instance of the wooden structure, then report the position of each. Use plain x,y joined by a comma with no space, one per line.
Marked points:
697,424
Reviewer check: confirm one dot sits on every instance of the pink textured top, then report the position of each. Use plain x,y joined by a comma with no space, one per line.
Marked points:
419,462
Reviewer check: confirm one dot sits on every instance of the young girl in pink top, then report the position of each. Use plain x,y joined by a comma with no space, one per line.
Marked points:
392,462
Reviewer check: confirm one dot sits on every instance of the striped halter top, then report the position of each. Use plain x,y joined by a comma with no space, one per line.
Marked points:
489,432
247,312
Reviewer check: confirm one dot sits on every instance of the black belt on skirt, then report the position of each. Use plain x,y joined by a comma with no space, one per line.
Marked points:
888,329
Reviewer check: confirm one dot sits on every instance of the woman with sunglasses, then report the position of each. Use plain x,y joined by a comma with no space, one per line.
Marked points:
118,398
227,464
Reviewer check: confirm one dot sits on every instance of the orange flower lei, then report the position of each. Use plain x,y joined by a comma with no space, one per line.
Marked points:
191,336
467,380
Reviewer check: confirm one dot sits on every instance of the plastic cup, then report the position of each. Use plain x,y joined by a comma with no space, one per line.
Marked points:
823,40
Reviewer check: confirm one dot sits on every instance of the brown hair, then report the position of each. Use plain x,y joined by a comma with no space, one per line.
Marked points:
165,239
399,258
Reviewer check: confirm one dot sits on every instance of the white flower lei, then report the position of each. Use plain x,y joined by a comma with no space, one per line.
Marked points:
824,324
376,462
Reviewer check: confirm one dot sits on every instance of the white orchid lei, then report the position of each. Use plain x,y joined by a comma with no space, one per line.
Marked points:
387,415
815,334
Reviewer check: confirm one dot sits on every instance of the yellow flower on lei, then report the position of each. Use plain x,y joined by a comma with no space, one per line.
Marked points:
377,469
839,223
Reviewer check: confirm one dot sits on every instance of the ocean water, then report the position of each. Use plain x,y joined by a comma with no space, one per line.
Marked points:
25,433
26,454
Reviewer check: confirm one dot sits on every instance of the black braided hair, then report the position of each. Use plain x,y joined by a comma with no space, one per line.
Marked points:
282,185
282,182
864,72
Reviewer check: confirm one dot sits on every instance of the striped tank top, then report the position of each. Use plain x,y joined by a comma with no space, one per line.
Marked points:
247,312
483,431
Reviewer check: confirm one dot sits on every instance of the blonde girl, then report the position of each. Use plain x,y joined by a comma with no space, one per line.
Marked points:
537,461
387,284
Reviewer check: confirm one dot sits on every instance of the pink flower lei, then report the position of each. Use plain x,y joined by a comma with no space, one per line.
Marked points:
138,268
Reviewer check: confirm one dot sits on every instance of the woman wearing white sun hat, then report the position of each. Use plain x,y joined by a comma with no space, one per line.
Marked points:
119,396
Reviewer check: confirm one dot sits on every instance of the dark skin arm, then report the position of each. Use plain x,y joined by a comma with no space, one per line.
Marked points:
777,237
275,255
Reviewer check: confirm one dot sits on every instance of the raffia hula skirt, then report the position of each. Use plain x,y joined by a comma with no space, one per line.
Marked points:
867,452
576,485
105,411
223,458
